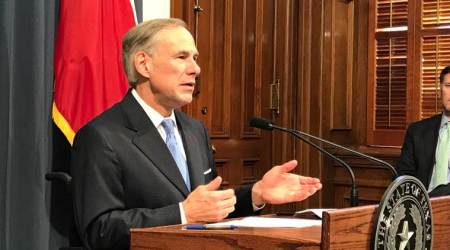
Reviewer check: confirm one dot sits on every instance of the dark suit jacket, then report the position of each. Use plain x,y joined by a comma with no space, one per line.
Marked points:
419,148
125,177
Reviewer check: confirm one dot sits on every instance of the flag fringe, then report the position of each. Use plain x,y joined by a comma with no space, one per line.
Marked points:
62,124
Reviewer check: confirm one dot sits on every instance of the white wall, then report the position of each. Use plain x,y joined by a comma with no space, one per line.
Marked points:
155,9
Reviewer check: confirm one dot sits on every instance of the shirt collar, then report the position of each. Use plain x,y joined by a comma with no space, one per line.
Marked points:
444,120
154,116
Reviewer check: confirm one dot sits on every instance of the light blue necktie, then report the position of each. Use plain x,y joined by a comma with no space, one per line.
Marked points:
174,149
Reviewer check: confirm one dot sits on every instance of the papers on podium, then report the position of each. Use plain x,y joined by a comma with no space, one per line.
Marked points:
270,222
312,213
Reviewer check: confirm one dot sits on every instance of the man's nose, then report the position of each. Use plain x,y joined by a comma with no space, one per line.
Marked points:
194,68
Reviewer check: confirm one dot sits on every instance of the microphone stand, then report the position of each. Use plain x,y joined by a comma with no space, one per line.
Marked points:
262,123
300,133
354,190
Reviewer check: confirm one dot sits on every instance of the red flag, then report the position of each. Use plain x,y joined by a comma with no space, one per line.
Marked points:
89,76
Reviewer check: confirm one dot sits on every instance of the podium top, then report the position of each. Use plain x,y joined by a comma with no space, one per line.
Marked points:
175,237
341,229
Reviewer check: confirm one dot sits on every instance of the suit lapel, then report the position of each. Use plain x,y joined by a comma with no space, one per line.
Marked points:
193,151
435,128
432,139
149,141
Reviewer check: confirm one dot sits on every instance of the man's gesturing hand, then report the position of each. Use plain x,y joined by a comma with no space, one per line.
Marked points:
278,186
207,204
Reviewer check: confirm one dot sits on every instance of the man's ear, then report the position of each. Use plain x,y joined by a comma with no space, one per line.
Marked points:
141,60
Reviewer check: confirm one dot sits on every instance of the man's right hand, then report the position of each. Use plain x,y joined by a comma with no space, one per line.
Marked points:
208,204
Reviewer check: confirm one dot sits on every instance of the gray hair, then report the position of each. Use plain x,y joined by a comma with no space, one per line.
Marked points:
142,38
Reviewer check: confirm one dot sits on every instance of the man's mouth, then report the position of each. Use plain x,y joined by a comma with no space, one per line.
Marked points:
188,84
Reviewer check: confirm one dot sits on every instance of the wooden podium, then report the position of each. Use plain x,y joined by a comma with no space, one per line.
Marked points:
349,228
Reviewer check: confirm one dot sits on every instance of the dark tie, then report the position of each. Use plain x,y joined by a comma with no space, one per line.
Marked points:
174,149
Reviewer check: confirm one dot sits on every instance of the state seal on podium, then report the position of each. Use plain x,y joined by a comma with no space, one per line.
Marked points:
404,218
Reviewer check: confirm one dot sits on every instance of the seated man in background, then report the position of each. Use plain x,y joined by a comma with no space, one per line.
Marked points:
426,149
141,163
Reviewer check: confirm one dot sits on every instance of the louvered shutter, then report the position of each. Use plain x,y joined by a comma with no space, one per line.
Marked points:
391,65
435,53
409,44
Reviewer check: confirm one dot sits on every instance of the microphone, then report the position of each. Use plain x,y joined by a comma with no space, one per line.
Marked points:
268,125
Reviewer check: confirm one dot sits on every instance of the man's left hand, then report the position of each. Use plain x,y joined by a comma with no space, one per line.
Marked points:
278,186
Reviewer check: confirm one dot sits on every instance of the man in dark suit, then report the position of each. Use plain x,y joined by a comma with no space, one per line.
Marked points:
143,164
426,149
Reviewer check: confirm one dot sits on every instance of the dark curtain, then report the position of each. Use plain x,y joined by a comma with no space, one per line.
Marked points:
27,30
138,8
34,214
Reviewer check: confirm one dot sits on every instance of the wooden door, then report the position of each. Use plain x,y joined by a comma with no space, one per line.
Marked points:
235,40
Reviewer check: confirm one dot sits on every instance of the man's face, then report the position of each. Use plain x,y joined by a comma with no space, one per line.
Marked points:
173,68
445,94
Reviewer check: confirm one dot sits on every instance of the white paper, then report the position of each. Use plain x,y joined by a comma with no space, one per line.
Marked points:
317,211
271,222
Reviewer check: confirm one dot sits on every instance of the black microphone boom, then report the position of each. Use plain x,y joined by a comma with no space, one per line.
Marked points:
368,157
261,123
267,125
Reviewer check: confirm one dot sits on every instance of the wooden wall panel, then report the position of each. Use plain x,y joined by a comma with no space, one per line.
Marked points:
234,38
223,170
304,41
308,98
339,44
337,64
332,61
317,49
183,9
372,178
360,67
215,78
250,59
249,171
